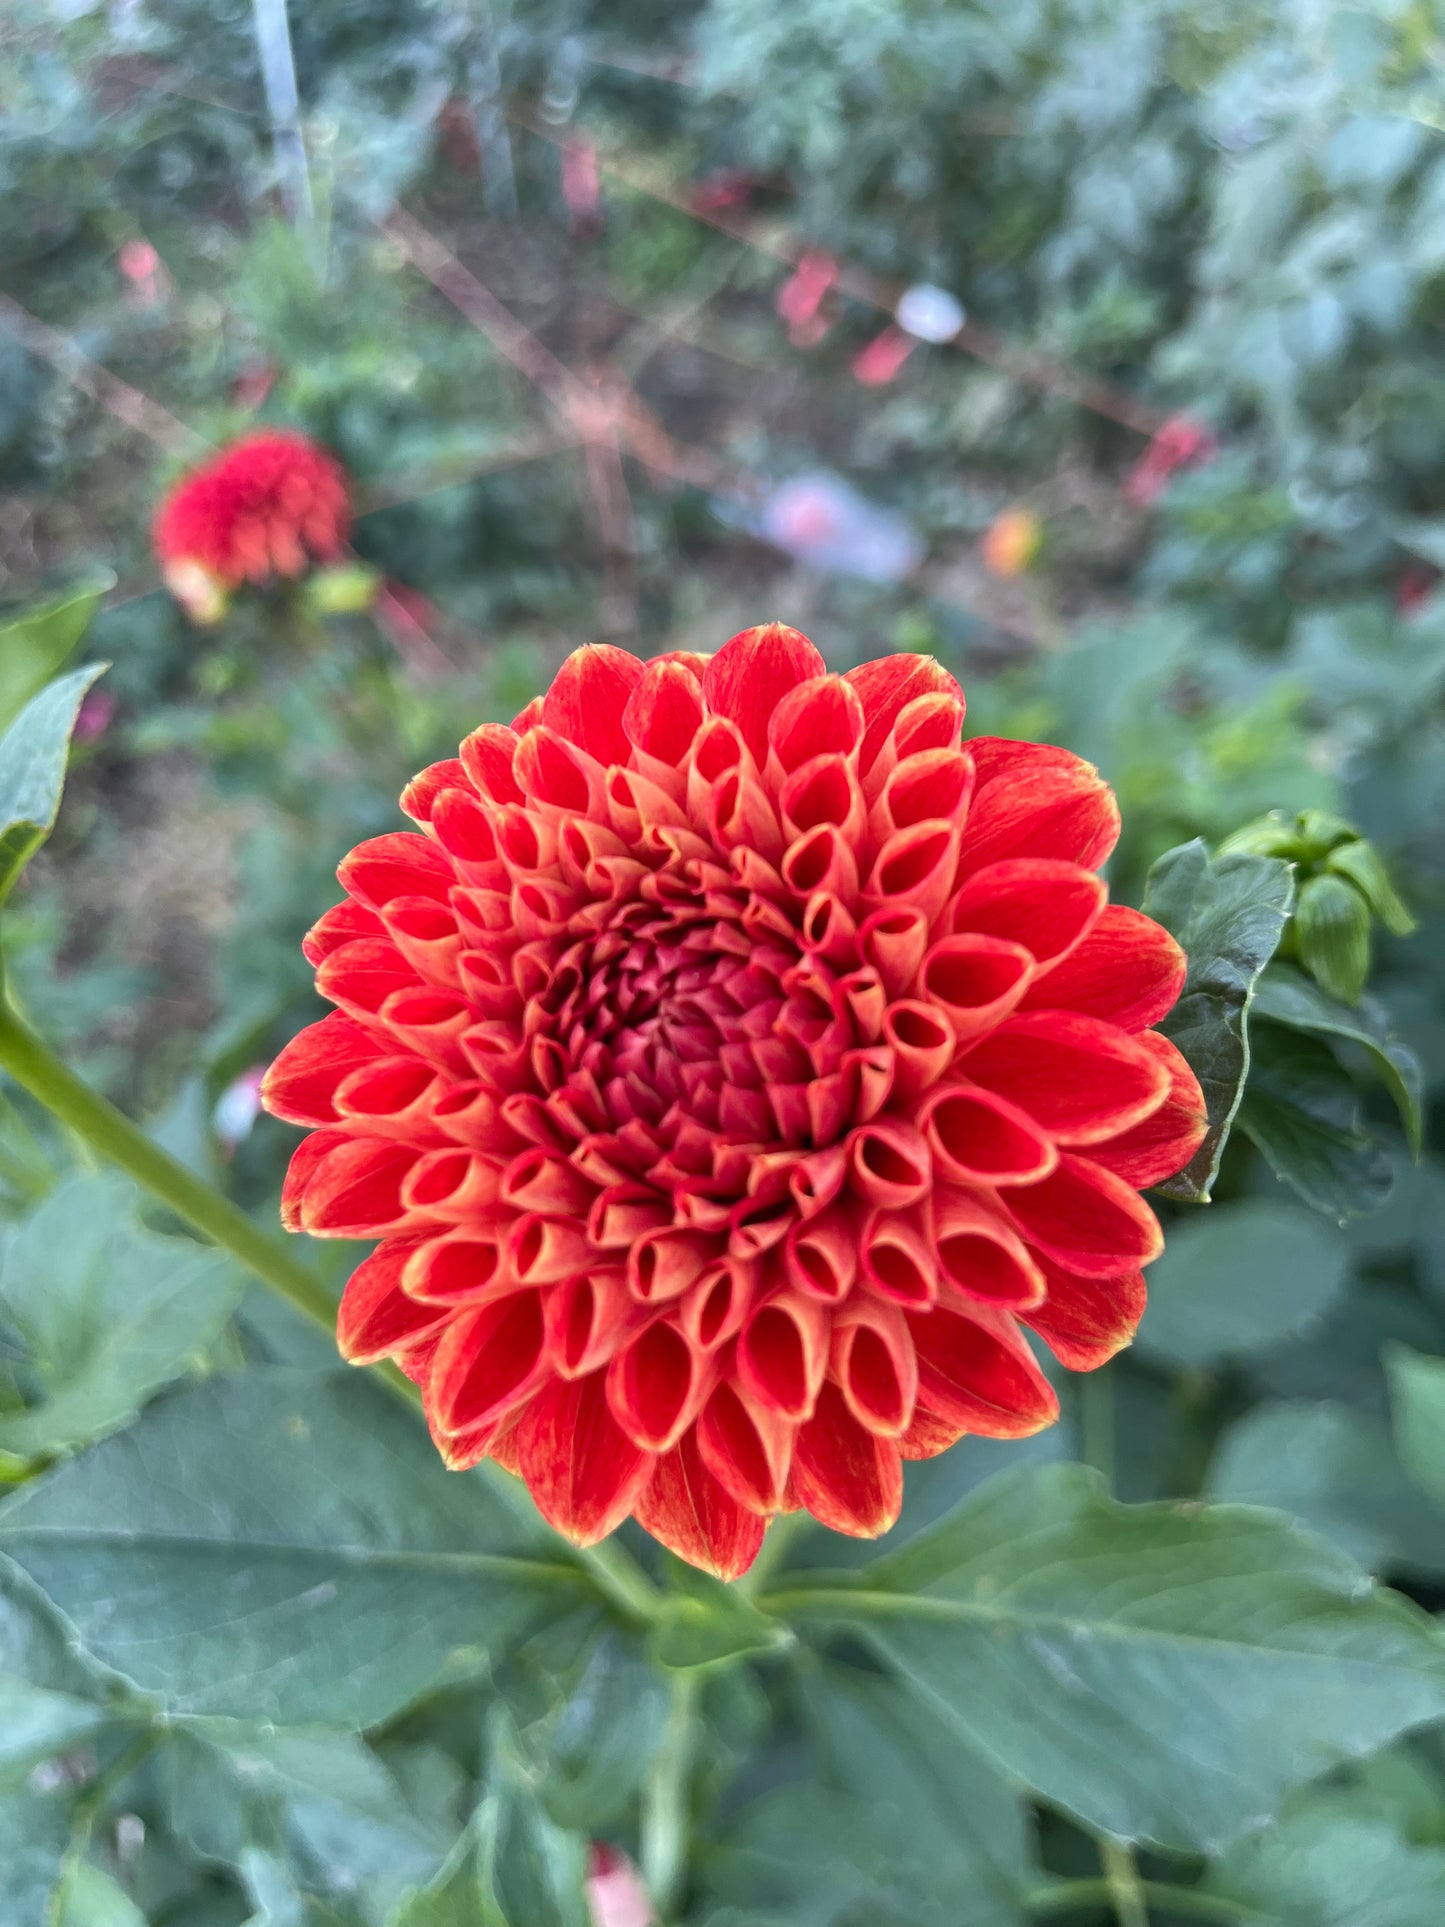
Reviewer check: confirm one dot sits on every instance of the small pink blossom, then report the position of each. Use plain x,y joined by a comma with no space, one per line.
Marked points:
1180,443
97,713
878,362
800,299
238,1107
616,1896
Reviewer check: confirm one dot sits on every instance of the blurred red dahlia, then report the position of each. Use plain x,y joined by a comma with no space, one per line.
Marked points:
730,1068
267,505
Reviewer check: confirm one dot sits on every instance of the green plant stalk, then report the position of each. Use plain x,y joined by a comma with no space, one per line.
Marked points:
665,1799
1073,1896
110,1134
1126,1890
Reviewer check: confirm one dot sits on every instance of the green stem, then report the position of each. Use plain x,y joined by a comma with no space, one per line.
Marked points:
1126,1890
111,1135
665,1799
1072,1896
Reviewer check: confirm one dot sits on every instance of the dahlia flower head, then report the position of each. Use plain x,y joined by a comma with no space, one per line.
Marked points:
732,1065
270,504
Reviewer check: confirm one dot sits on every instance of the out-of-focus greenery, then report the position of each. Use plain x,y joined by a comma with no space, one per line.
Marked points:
1225,209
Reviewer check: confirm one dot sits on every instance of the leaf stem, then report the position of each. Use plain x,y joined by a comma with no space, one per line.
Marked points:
665,1799
110,1134
1126,1890
1070,1896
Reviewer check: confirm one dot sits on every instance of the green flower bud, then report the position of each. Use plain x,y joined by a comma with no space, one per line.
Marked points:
345,590
1332,935
1272,835
1360,863
1318,833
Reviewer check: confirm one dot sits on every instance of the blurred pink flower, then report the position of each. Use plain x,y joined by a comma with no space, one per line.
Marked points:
800,299
1416,585
616,1896
1180,443
582,187
97,713
238,1107
144,273
884,355
727,187
253,384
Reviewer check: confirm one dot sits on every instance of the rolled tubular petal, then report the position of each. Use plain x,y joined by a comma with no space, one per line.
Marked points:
731,1062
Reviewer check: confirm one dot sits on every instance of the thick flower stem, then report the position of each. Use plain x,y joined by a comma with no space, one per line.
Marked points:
110,1134
665,1800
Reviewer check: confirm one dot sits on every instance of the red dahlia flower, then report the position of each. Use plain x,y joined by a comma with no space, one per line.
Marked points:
730,1070
265,506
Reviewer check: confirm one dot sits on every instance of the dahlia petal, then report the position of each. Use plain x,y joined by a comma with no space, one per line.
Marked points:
466,829
1165,1141
356,1190
526,720
489,758
748,1448
888,1163
749,676
829,928
928,1434
580,1467
489,1361
922,1042
914,868
894,940
361,975
543,1251
821,717
656,1384
714,1309
849,1478
820,1255
375,1315
978,1138
1067,814
450,1184
1128,970
823,790
1081,1080
664,1264
898,1260
342,923
454,1270
979,1255
935,783
783,1353
555,774
399,864
875,1366
1086,1219
687,1509
419,797
1085,1321
1047,906
886,687
976,1372
975,982
389,1096
426,934
664,712
305,1160
301,1083
822,860
589,697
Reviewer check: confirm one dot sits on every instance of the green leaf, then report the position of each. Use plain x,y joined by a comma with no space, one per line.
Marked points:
35,1834
808,1856
1417,1394
33,754
1228,913
1325,1866
33,647
49,1699
708,1623
105,1311
1240,1279
1287,997
532,1872
1334,1469
943,1820
92,1899
1302,1112
452,1899
281,1545
1162,1672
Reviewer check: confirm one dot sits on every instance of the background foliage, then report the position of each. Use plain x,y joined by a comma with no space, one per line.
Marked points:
261,1659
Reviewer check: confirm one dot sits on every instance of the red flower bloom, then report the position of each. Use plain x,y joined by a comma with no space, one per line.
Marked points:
266,505
729,1069
1180,443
